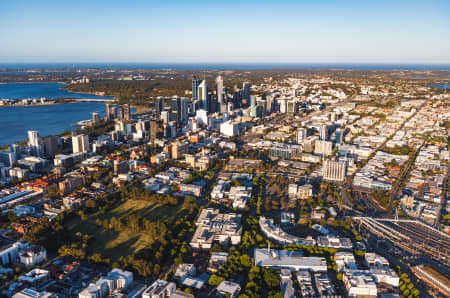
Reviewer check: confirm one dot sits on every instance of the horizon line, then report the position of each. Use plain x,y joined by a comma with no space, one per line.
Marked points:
221,62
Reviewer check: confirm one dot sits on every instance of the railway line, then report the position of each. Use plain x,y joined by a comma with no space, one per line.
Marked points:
410,235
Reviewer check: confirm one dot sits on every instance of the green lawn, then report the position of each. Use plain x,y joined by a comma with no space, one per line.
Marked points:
114,244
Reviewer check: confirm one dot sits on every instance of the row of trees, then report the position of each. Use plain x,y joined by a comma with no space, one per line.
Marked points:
406,286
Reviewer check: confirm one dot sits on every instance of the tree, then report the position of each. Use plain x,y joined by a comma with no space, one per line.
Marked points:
245,261
142,267
215,280
271,278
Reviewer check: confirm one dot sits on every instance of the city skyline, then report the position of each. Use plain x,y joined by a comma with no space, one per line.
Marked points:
232,32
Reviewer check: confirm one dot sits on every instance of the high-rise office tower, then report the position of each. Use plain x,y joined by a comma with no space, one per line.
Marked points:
95,118
229,107
323,132
175,110
246,90
51,146
223,108
80,143
260,111
140,125
165,116
159,106
121,114
338,135
35,142
141,130
170,130
269,106
283,105
108,112
203,94
184,110
154,130
237,97
126,112
195,84
253,106
219,90
113,113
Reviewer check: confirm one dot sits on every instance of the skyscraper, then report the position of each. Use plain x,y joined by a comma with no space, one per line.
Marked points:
203,94
237,97
269,106
195,84
35,142
126,112
184,109
140,125
323,132
154,130
95,118
219,90
175,110
165,116
80,143
246,90
253,106
159,106
113,113
51,145
121,114
338,136
108,112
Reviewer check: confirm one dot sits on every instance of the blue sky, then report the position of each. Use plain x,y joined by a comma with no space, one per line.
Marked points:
225,31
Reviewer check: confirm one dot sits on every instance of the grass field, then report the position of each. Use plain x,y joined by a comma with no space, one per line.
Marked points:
114,244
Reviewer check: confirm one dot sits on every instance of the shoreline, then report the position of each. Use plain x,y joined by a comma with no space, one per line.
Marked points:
57,103
65,89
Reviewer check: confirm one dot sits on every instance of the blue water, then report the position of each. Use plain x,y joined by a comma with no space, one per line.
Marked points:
446,86
51,119
198,66
38,90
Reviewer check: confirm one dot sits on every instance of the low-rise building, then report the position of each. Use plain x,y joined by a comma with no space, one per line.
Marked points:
292,260
306,285
184,270
215,226
34,255
116,279
359,283
229,288
216,261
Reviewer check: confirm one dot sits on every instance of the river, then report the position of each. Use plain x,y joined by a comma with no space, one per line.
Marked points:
15,121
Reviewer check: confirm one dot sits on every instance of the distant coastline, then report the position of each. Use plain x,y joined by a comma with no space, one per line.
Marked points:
47,90
63,101
225,66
